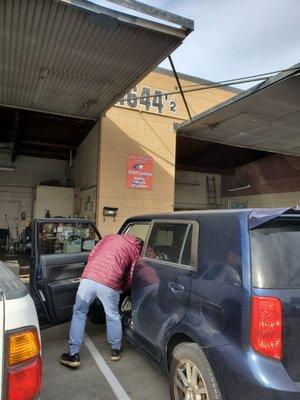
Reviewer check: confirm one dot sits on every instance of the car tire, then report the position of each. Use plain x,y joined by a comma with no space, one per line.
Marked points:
189,359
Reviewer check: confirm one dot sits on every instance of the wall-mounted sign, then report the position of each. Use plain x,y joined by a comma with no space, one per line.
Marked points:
140,171
110,212
160,103
237,204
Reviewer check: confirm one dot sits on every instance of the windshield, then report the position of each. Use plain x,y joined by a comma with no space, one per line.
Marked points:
275,252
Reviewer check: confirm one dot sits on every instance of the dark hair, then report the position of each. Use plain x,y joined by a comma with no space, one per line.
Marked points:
141,242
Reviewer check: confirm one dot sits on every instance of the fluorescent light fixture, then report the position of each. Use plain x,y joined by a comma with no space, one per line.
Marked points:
240,188
186,183
9,169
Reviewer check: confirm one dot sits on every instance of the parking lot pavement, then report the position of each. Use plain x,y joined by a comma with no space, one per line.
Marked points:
135,374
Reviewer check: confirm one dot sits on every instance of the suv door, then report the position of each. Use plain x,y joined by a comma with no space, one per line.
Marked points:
161,282
60,249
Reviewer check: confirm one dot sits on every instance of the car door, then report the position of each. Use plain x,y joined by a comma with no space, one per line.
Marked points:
161,282
60,249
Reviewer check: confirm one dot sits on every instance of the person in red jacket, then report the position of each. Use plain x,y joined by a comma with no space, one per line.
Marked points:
108,272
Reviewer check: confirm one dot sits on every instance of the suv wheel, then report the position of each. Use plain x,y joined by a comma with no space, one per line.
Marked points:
191,377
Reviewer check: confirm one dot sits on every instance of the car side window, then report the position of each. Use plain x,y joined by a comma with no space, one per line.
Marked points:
139,230
66,238
166,242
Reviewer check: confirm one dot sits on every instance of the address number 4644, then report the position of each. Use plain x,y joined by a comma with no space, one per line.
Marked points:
159,101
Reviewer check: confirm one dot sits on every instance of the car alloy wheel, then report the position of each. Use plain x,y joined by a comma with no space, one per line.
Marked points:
189,383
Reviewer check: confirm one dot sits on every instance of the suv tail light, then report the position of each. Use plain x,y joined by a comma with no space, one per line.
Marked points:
24,364
24,383
266,326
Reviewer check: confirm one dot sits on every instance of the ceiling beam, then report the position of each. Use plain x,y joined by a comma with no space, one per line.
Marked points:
47,144
37,153
58,138
205,169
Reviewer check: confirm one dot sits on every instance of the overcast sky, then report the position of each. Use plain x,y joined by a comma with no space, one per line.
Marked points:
235,38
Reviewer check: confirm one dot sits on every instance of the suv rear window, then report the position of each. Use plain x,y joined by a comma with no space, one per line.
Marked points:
275,253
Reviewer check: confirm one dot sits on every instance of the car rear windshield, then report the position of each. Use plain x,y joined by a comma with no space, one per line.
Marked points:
275,253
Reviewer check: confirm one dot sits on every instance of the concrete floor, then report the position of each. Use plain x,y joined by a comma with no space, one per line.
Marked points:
138,377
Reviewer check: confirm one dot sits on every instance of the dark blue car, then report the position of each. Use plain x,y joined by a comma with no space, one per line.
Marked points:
215,301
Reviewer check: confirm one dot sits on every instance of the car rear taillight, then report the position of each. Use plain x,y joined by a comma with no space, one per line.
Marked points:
24,365
24,383
266,326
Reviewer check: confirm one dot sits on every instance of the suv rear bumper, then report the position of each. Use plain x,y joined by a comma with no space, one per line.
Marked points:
244,374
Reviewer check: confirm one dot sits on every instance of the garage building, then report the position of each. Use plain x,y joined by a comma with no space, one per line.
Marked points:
90,128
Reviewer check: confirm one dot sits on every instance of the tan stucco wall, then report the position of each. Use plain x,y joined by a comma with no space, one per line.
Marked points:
128,132
58,200
136,131
84,176
83,172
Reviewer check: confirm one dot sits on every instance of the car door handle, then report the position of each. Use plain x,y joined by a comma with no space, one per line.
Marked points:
175,287
76,280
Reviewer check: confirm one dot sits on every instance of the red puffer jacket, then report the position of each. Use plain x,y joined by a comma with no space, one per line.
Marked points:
112,261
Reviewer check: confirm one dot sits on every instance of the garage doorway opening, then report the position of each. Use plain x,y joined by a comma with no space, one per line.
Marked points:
205,171
49,166
251,141
216,176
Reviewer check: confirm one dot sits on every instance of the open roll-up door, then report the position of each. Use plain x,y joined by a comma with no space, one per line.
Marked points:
76,58
265,117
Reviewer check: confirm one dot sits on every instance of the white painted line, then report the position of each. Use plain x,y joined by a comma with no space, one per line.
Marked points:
106,371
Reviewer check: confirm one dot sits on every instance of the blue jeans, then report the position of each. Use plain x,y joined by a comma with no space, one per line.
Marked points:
88,291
